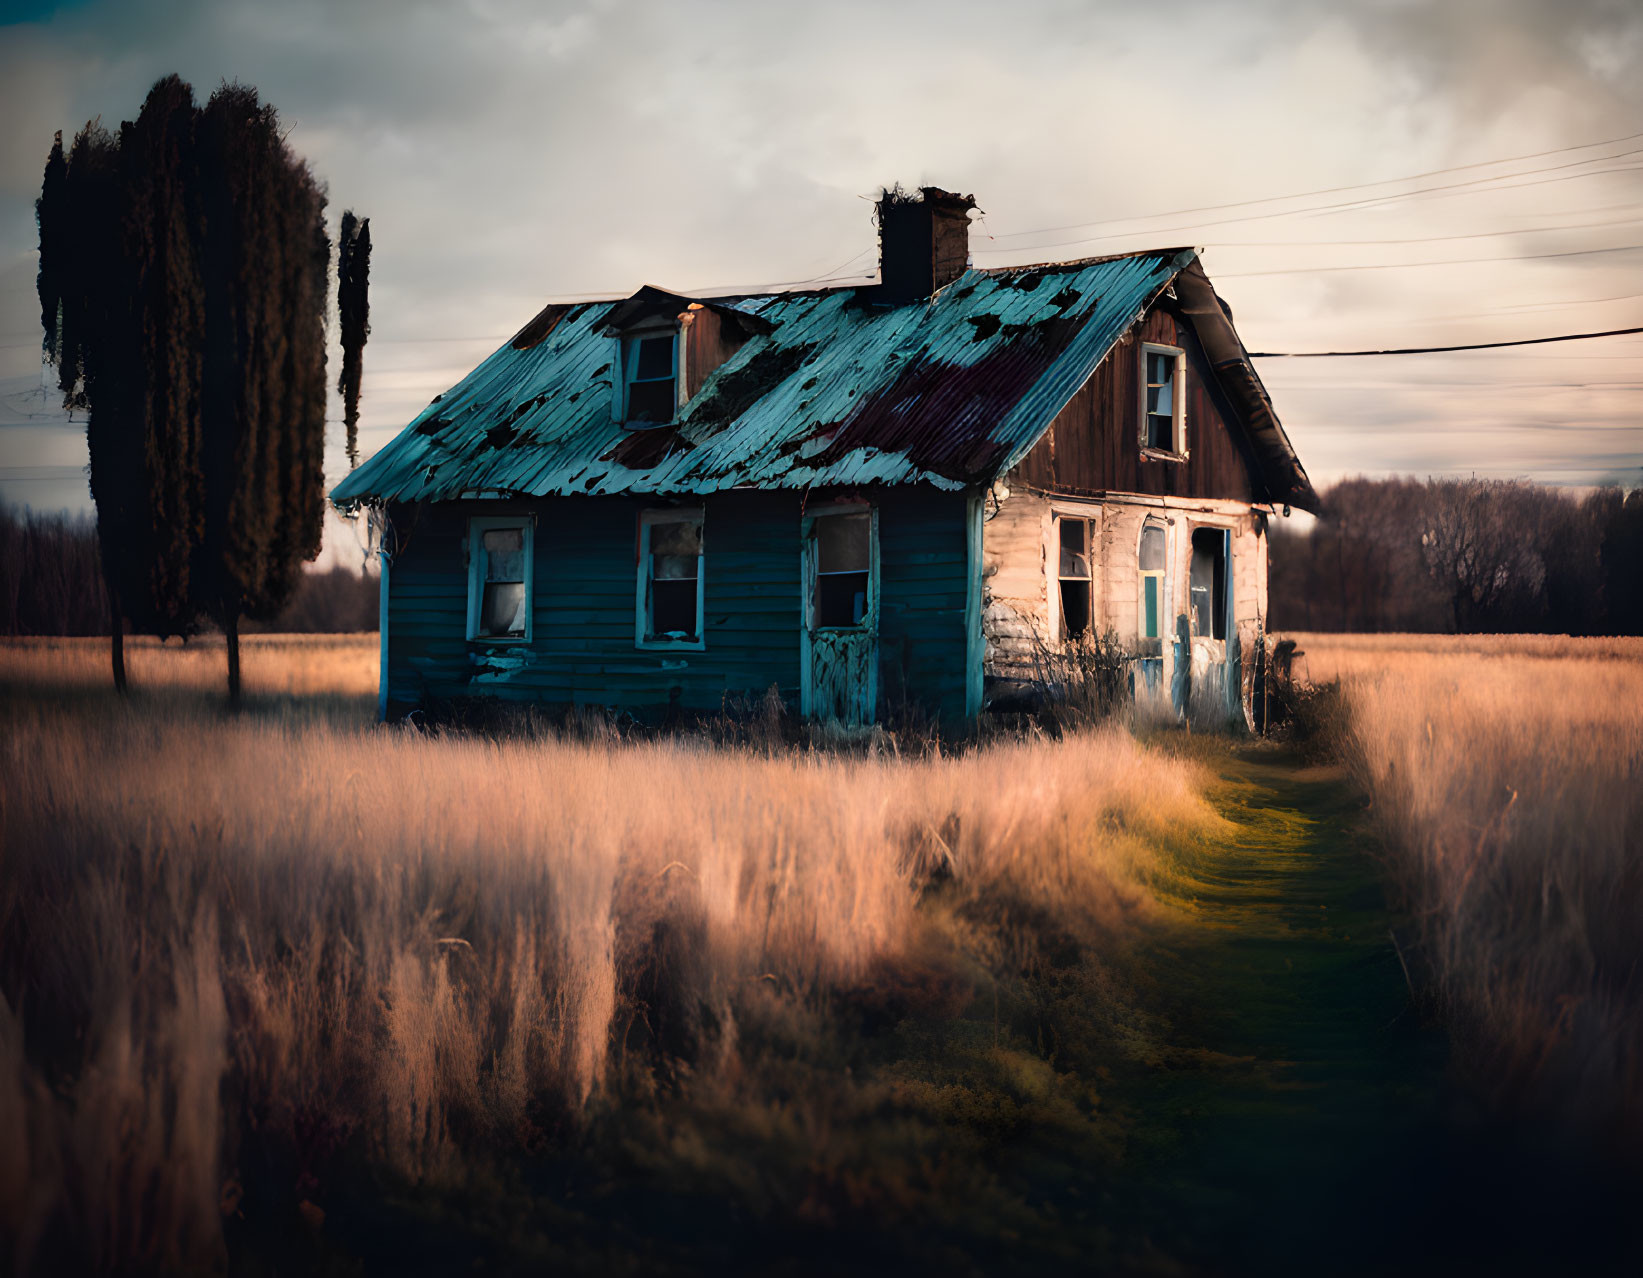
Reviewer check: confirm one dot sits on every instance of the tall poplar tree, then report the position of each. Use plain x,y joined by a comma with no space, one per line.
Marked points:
354,314
266,258
183,270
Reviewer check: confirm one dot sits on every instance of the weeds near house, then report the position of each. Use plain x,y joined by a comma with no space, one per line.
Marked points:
239,956
1084,681
1507,778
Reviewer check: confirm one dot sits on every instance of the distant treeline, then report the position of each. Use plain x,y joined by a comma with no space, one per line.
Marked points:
1439,556
1466,555
51,583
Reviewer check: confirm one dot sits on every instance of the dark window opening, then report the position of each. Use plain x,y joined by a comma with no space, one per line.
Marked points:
1075,608
1074,572
652,382
502,600
1209,583
675,570
844,561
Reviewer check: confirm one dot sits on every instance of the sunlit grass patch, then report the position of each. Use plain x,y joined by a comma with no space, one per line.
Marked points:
352,946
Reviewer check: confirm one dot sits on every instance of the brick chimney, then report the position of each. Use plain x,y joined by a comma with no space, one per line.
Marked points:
924,241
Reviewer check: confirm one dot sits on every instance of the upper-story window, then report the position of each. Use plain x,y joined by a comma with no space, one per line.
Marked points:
650,376
1163,400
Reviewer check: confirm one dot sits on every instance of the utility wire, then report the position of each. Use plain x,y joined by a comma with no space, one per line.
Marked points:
834,276
1435,350
1576,301
1424,239
1361,186
1381,200
1454,261
1263,217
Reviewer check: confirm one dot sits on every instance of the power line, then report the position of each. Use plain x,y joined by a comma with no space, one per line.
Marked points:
1384,384
1321,208
1374,201
1578,301
1425,239
1361,186
1435,350
1499,311
1471,314
1454,261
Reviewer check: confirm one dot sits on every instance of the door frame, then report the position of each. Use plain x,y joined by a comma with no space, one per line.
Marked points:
807,594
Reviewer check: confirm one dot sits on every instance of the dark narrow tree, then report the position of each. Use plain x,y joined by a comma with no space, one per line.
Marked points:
107,285
266,259
79,242
160,215
182,287
354,315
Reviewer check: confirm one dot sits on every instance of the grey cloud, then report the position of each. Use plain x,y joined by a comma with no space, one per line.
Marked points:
507,151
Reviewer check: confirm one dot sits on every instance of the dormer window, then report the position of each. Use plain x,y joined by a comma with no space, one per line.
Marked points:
650,375
1163,401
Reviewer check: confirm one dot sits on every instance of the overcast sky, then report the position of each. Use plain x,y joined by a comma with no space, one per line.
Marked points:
509,152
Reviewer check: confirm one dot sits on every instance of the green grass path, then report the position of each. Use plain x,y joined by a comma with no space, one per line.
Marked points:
1289,1147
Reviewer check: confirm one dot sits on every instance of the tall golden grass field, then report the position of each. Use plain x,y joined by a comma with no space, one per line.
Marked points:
1505,775
441,943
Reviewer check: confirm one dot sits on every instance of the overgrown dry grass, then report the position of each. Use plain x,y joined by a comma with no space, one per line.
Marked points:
237,952
272,665
1507,776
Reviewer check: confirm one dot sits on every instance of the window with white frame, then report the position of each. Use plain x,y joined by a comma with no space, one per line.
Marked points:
500,559
670,578
1075,540
650,377
1163,399
1154,598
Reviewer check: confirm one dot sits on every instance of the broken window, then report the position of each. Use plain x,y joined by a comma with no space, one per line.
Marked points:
1163,423
499,578
1209,583
1154,601
1075,540
844,565
670,576
650,371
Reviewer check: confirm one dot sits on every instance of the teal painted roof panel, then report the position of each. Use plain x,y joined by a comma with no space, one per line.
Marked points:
840,390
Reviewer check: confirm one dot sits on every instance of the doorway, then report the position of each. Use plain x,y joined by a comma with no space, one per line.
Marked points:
840,571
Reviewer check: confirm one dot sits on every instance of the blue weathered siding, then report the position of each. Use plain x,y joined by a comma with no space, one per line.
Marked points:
583,648
923,572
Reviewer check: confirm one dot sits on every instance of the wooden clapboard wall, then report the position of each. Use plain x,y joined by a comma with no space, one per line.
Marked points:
1093,446
583,647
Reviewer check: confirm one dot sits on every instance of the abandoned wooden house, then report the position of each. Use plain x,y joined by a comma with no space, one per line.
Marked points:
871,497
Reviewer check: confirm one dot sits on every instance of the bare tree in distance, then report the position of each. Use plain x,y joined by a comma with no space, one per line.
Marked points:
182,284
1444,555
1477,555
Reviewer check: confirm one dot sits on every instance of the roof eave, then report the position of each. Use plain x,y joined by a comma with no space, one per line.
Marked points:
1281,472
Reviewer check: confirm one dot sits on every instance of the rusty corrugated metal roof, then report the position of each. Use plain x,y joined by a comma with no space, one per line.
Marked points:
950,390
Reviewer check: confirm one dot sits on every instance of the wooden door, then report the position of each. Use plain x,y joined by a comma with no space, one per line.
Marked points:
840,674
